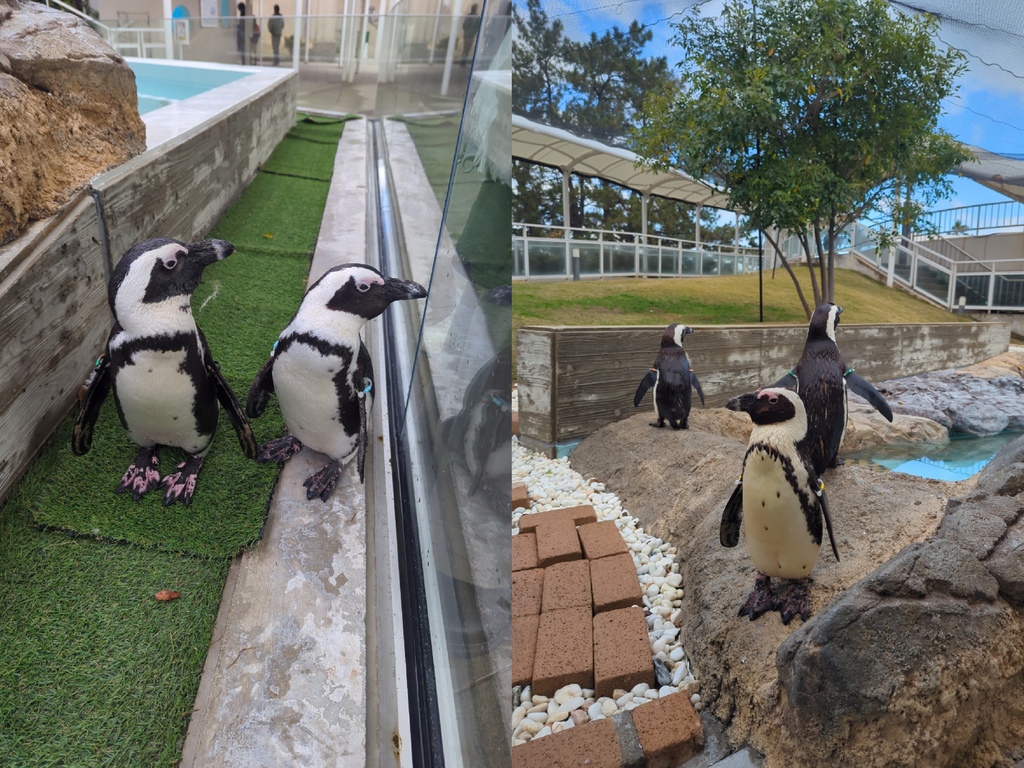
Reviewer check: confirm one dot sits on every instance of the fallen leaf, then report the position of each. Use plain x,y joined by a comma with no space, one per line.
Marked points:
267,235
167,594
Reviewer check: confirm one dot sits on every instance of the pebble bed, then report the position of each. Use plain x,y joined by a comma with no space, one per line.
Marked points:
553,484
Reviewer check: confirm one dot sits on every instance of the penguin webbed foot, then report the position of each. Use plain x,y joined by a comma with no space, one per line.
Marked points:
659,423
323,482
792,600
761,599
181,484
836,461
141,476
278,450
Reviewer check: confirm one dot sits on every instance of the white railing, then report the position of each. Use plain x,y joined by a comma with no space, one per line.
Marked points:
543,252
945,279
142,42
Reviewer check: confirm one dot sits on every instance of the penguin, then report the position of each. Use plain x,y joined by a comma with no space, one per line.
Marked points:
781,502
673,380
165,381
822,379
322,371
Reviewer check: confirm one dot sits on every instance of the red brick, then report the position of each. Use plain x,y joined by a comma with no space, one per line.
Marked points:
557,542
669,730
520,496
527,590
524,642
601,540
622,651
579,515
614,583
524,552
567,585
591,745
565,651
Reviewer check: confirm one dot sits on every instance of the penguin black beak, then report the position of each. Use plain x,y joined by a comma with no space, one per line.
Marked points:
206,252
743,403
402,290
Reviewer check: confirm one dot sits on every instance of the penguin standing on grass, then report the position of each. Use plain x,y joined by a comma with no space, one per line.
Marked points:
821,378
165,381
673,380
780,502
322,371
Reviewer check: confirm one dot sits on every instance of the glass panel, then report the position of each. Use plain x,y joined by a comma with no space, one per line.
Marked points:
547,259
669,261
709,264
974,288
519,257
590,258
649,260
728,265
1009,291
619,258
902,265
457,420
690,263
932,281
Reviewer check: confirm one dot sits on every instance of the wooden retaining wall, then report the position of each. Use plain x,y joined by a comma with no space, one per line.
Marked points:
574,380
54,316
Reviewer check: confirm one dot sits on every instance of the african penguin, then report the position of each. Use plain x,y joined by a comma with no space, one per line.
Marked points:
672,379
165,381
780,502
821,378
322,371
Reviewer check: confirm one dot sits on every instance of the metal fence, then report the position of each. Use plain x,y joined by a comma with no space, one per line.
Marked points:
541,252
974,219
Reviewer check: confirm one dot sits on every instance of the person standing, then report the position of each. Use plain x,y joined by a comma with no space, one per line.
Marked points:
241,33
276,27
470,26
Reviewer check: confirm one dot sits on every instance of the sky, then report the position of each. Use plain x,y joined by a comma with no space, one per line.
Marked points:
987,111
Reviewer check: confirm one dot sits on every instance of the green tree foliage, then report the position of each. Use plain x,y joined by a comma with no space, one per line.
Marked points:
810,113
538,61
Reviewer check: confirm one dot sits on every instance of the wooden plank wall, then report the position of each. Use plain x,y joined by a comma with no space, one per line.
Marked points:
574,380
53,322
54,317
181,188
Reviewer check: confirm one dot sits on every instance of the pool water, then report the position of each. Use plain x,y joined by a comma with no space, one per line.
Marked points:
161,84
959,459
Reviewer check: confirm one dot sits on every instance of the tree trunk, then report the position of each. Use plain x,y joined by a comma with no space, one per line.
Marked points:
785,265
802,237
833,230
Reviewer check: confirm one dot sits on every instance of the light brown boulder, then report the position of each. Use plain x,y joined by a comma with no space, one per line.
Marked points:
68,111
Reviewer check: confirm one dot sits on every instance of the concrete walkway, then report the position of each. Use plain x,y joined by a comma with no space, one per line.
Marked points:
285,680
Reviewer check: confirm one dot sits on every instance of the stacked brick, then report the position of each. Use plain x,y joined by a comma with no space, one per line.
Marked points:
577,617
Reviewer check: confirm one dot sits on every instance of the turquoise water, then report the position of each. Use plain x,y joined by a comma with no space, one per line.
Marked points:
159,84
959,459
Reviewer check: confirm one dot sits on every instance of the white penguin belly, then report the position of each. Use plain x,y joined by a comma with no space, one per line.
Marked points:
304,382
776,530
157,399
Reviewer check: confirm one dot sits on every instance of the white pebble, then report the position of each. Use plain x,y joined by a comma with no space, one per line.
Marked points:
695,698
594,710
545,731
608,706
640,689
667,690
538,717
563,695
526,696
571,704
650,693
676,654
557,717
530,726
679,673
517,716
675,579
624,700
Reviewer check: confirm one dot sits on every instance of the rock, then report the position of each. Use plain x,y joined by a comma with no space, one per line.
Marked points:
68,111
866,428
661,674
937,567
1004,474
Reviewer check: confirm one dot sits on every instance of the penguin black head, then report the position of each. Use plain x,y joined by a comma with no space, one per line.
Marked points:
673,335
361,290
153,271
770,406
824,322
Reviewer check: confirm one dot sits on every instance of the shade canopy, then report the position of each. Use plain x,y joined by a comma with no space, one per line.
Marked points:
999,172
539,143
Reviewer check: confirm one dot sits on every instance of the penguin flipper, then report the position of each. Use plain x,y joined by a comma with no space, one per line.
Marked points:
95,392
260,390
732,517
789,381
696,385
246,439
646,383
865,389
823,505
364,374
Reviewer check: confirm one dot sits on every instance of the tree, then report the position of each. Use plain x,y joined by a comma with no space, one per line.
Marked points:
538,62
810,113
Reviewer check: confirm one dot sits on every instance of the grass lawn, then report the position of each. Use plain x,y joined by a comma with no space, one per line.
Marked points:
93,670
708,301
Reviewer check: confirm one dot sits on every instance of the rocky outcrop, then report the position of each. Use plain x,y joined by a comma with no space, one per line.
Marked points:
68,111
914,652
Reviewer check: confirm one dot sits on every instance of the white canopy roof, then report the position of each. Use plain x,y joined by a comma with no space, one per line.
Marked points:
538,143
1003,174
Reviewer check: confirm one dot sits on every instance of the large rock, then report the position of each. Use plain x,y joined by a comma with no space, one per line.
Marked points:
68,111
914,653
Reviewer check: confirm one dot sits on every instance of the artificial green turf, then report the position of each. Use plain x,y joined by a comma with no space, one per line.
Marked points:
93,670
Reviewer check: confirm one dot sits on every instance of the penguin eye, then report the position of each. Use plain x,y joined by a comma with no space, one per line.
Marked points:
170,263
362,287
773,398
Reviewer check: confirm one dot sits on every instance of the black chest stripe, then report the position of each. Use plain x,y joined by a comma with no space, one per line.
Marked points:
323,346
808,505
